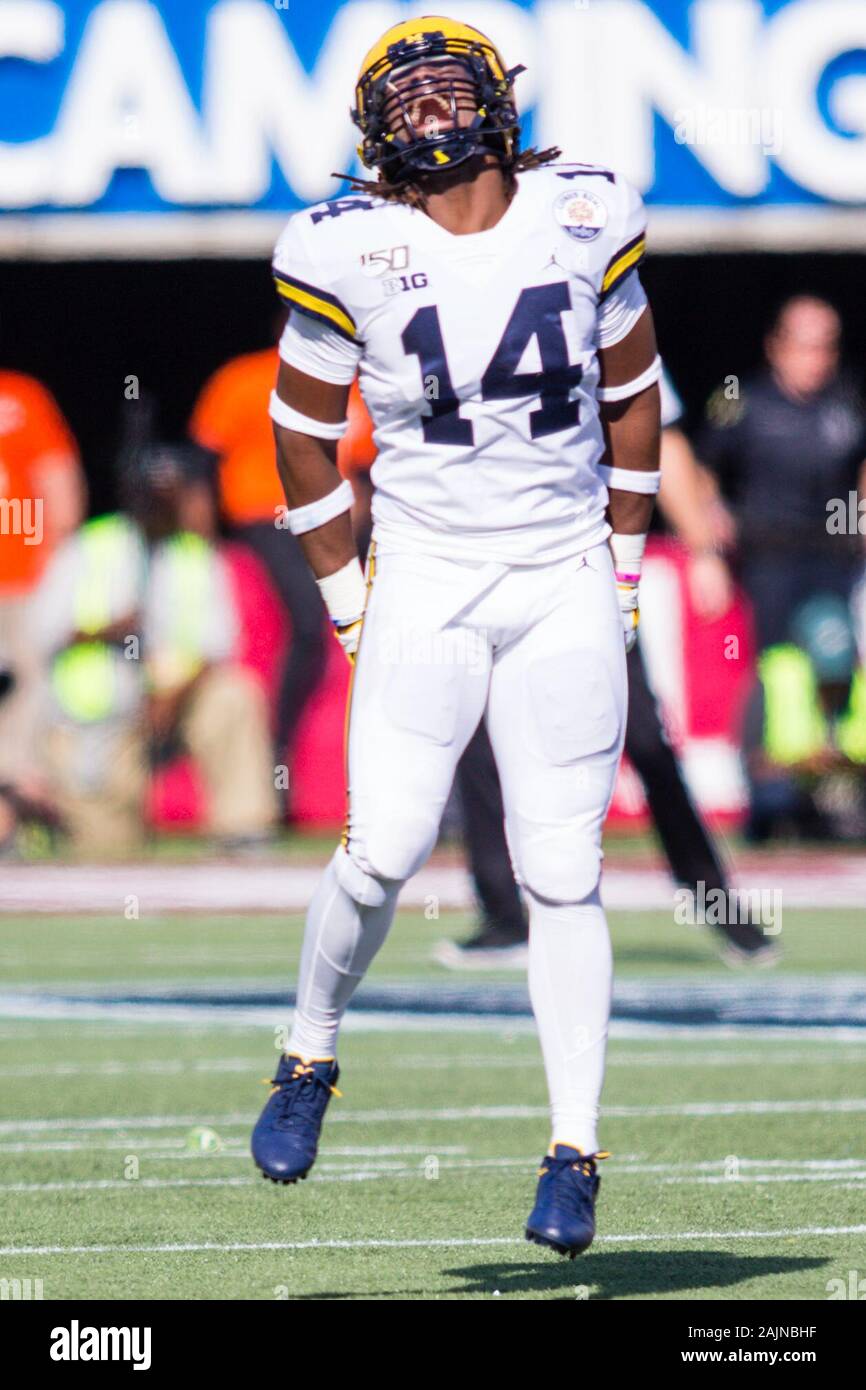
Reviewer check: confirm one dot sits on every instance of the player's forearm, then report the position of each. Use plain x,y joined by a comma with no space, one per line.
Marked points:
308,473
629,513
631,471
330,547
632,433
319,516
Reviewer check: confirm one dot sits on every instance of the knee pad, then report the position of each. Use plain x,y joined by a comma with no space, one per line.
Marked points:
396,849
558,864
367,888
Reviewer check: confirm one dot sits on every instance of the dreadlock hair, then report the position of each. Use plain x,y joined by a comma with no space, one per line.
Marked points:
412,195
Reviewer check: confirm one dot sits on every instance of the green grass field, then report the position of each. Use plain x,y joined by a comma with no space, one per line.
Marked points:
739,1162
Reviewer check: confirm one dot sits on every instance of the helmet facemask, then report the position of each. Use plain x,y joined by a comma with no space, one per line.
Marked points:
432,106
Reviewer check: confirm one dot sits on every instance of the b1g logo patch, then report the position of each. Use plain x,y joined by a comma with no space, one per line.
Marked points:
583,215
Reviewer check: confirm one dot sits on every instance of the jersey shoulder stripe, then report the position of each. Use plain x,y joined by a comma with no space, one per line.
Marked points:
316,303
622,262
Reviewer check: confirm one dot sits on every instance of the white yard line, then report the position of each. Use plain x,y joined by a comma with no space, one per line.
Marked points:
695,1109
818,1165
459,1242
372,1171
476,1062
170,1150
629,1167
746,1179
710,1109
623,1165
729,1059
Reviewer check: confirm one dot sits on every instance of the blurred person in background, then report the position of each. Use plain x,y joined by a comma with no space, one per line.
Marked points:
42,498
137,618
805,733
231,418
783,448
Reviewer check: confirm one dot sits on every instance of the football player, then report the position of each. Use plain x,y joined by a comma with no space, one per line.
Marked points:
488,299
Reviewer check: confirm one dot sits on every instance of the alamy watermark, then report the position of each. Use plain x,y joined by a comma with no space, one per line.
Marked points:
853,1287
21,1290
77,1343
702,906
729,126
22,516
846,516
466,648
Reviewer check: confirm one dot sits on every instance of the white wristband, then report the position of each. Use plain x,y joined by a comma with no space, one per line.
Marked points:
631,388
344,593
292,419
630,479
324,509
627,554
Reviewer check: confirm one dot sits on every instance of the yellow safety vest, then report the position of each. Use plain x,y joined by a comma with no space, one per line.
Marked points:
795,726
190,560
84,676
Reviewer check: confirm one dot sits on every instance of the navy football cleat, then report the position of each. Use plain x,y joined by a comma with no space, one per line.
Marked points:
286,1137
564,1213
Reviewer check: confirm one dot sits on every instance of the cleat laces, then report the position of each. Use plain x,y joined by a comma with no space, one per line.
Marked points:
302,1097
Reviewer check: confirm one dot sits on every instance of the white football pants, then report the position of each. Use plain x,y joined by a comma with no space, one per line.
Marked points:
539,651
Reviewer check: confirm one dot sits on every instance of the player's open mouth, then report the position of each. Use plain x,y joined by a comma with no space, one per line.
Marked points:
424,109
431,99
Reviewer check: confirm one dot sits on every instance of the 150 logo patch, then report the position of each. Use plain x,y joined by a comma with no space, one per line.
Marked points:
375,263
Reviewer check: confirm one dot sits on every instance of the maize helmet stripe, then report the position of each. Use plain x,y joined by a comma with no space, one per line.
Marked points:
415,31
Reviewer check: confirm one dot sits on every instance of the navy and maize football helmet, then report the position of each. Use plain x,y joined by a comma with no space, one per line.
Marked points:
431,94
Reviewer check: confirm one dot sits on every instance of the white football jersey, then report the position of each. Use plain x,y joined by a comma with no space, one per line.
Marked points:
477,355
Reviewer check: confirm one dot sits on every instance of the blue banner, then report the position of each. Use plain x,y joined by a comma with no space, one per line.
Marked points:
112,108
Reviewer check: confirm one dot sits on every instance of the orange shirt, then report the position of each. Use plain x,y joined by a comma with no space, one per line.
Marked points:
34,438
356,451
231,417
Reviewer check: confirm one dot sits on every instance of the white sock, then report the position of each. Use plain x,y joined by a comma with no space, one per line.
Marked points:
340,940
570,973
